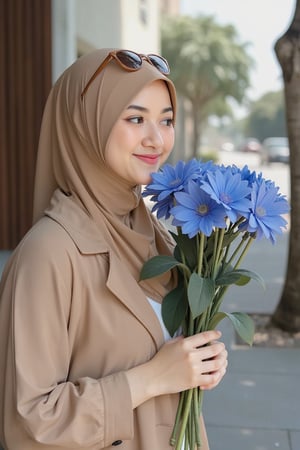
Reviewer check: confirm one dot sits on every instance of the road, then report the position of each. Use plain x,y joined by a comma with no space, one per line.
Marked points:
278,172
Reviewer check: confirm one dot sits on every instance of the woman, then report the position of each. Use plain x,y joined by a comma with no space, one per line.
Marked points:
83,358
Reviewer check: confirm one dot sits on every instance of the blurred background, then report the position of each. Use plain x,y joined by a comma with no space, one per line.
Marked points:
239,94
221,53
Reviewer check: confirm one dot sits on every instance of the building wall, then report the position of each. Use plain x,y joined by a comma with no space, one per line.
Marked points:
132,24
140,25
98,24
64,43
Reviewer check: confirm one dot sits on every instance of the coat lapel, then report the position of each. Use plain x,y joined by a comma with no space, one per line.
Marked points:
126,289
120,282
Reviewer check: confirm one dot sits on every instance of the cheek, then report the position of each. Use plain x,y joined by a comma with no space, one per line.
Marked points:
169,141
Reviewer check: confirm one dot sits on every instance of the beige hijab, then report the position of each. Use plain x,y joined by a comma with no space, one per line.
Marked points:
71,151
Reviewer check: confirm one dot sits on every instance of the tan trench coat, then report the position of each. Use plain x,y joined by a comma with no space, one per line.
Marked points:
69,328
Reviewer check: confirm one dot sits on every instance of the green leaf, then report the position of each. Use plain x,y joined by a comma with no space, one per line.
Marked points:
157,266
188,247
239,277
243,325
200,294
250,274
173,308
215,320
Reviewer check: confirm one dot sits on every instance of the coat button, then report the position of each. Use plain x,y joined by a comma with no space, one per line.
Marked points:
118,442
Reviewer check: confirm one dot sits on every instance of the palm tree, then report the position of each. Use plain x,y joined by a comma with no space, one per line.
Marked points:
208,64
287,49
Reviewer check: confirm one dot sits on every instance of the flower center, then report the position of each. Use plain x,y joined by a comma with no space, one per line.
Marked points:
225,198
175,182
260,211
202,209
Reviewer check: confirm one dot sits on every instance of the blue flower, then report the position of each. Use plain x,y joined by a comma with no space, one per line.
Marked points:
265,214
205,167
246,174
172,179
228,189
168,181
163,207
197,212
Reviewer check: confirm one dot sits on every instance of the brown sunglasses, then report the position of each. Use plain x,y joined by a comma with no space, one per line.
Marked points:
131,62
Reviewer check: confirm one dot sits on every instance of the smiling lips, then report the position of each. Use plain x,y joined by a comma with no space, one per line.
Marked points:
148,159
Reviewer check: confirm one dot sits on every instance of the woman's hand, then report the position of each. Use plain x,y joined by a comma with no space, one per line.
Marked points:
181,363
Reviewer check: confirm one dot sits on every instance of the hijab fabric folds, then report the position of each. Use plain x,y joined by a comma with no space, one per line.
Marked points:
71,159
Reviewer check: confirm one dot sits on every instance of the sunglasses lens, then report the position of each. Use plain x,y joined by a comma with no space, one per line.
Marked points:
160,63
129,59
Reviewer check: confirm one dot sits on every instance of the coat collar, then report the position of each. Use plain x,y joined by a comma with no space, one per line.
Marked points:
82,230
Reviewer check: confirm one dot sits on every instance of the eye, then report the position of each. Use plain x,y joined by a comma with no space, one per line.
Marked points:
168,122
136,119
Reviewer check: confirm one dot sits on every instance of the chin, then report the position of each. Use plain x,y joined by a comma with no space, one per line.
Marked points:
147,180
147,177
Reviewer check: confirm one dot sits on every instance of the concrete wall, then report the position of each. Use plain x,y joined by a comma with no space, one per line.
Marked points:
64,47
80,26
132,24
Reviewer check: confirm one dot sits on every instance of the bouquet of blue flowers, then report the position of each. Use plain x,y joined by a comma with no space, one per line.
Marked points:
216,212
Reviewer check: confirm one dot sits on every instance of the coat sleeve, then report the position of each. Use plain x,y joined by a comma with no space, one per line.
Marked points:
85,413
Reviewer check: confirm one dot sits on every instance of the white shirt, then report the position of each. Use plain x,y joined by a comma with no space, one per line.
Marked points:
157,309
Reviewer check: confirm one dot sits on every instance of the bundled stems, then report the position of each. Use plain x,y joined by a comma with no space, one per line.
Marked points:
196,413
186,427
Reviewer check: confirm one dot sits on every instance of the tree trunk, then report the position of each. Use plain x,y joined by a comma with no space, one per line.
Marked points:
287,48
196,130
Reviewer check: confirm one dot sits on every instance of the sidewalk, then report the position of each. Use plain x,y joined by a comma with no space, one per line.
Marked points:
257,405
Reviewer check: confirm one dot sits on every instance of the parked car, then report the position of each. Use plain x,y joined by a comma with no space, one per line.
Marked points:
251,145
227,146
275,149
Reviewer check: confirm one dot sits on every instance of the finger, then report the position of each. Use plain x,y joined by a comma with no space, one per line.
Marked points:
213,365
223,355
212,380
211,351
200,339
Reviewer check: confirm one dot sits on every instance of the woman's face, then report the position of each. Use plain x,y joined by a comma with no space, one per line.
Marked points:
142,138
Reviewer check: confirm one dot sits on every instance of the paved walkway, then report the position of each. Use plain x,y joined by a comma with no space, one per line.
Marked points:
257,406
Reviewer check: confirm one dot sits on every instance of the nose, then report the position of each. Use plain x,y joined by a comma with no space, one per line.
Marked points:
153,137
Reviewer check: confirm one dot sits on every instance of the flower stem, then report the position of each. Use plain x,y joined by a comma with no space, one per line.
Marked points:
237,251
187,407
186,271
219,237
177,420
246,248
200,253
196,413
191,428
200,322
225,288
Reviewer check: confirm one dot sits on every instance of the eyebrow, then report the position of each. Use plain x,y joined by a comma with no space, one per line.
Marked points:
143,109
